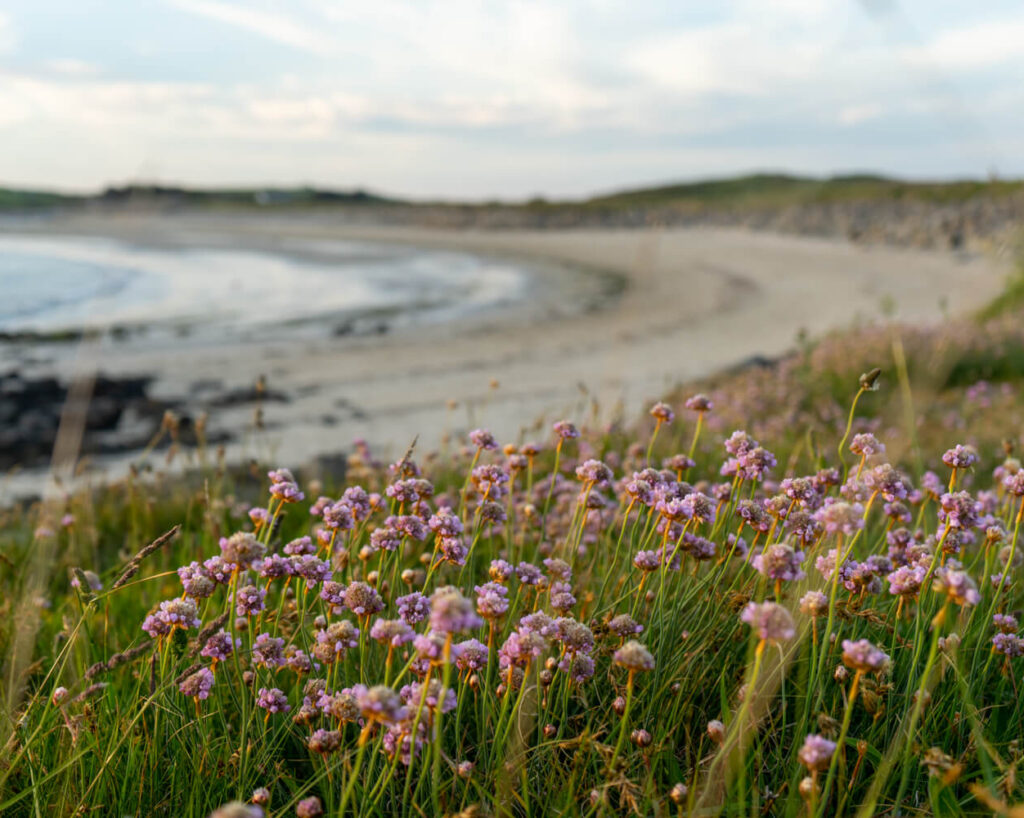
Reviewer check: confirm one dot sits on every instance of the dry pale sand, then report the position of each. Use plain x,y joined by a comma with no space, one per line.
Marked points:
693,301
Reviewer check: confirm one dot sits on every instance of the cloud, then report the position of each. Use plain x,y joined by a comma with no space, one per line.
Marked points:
275,27
7,37
984,45
856,114
71,67
521,96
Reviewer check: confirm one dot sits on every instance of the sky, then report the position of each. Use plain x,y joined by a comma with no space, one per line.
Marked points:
480,99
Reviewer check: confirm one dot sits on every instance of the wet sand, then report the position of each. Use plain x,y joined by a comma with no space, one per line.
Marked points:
619,316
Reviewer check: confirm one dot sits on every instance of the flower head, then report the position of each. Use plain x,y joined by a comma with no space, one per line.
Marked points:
863,656
770,621
634,656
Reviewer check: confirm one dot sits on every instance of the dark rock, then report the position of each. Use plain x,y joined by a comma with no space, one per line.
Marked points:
241,397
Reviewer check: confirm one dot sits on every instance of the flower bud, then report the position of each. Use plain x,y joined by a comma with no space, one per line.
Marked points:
641,738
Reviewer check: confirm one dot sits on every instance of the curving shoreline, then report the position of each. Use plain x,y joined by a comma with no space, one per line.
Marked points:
622,316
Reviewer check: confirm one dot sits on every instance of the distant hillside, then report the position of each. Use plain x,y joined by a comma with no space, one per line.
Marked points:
860,207
33,199
758,190
766,189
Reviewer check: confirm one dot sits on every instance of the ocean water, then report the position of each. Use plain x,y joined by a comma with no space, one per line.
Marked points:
51,285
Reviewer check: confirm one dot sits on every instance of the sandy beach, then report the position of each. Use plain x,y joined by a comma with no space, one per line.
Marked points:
617,316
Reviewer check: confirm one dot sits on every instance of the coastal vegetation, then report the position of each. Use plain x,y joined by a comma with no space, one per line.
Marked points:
793,589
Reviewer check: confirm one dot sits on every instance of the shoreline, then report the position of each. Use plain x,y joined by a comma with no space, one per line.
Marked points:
630,314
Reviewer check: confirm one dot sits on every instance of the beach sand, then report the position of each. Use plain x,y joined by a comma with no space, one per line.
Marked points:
617,316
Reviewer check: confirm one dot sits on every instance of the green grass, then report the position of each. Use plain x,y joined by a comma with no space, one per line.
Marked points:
139,747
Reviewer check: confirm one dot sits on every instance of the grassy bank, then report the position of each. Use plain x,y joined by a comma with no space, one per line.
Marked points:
518,692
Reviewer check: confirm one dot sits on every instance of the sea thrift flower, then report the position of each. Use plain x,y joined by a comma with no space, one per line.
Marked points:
339,517
558,569
528,573
753,464
385,538
309,808
445,523
259,516
595,473
780,561
816,753
866,444
1005,623
814,603
1014,483
864,657
491,600
483,440
500,571
198,685
379,704
268,650
172,613
907,580
413,694
451,612
333,640
242,549
300,546
634,656
579,667
362,599
841,518
1008,644
297,660
888,482
274,566
539,623
574,636
312,569
324,742
393,632
716,731
677,463
624,626
561,596
771,622
219,646
236,809
341,706
958,510
647,560
960,457
196,581
566,430
260,796
413,608
453,550
699,507
739,443
249,600
957,585
272,700
699,403
663,413
470,655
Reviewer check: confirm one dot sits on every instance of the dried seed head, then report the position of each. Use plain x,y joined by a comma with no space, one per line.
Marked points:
641,738
869,380
678,793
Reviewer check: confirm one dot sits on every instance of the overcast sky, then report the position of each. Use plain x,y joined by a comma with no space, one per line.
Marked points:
510,98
